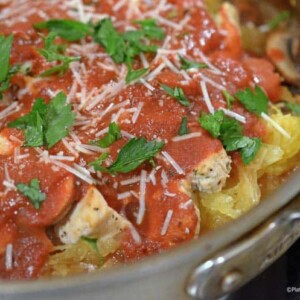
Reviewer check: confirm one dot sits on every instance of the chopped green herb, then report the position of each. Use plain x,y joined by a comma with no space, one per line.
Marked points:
212,122
69,30
123,48
113,134
230,132
183,130
53,52
93,244
188,64
176,93
280,18
46,124
106,35
5,48
255,101
131,156
134,75
294,107
150,29
6,72
33,192
97,164
229,98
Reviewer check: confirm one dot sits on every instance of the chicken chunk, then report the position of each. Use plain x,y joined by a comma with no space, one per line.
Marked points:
93,217
211,174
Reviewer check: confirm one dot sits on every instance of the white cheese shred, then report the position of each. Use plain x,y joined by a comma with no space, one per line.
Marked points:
186,136
167,222
275,125
173,163
142,203
206,97
9,257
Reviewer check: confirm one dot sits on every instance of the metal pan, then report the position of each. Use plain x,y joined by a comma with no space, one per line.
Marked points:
208,268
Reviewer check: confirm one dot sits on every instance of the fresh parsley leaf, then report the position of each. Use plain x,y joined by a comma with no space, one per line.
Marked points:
46,124
183,130
113,134
5,48
132,155
176,93
6,72
212,122
107,36
294,107
69,30
58,119
4,85
33,192
280,18
229,98
123,48
53,52
92,242
97,164
230,132
250,150
188,64
150,29
255,101
133,75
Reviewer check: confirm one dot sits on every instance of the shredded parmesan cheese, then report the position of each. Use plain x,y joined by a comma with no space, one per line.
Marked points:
142,204
172,162
167,222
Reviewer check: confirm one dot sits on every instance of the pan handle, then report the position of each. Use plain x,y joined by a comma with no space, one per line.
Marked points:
237,264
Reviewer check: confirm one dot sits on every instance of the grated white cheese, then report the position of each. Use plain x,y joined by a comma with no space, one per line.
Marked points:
186,136
136,236
275,125
142,195
234,115
9,257
186,204
77,173
123,196
167,222
206,97
131,180
173,163
137,113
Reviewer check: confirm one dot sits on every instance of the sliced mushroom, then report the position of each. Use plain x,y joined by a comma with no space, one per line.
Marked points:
283,48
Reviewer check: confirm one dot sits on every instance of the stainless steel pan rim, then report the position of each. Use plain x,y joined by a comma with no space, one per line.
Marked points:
187,254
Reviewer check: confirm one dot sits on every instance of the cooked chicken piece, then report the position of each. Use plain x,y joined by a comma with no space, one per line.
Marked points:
211,174
92,217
